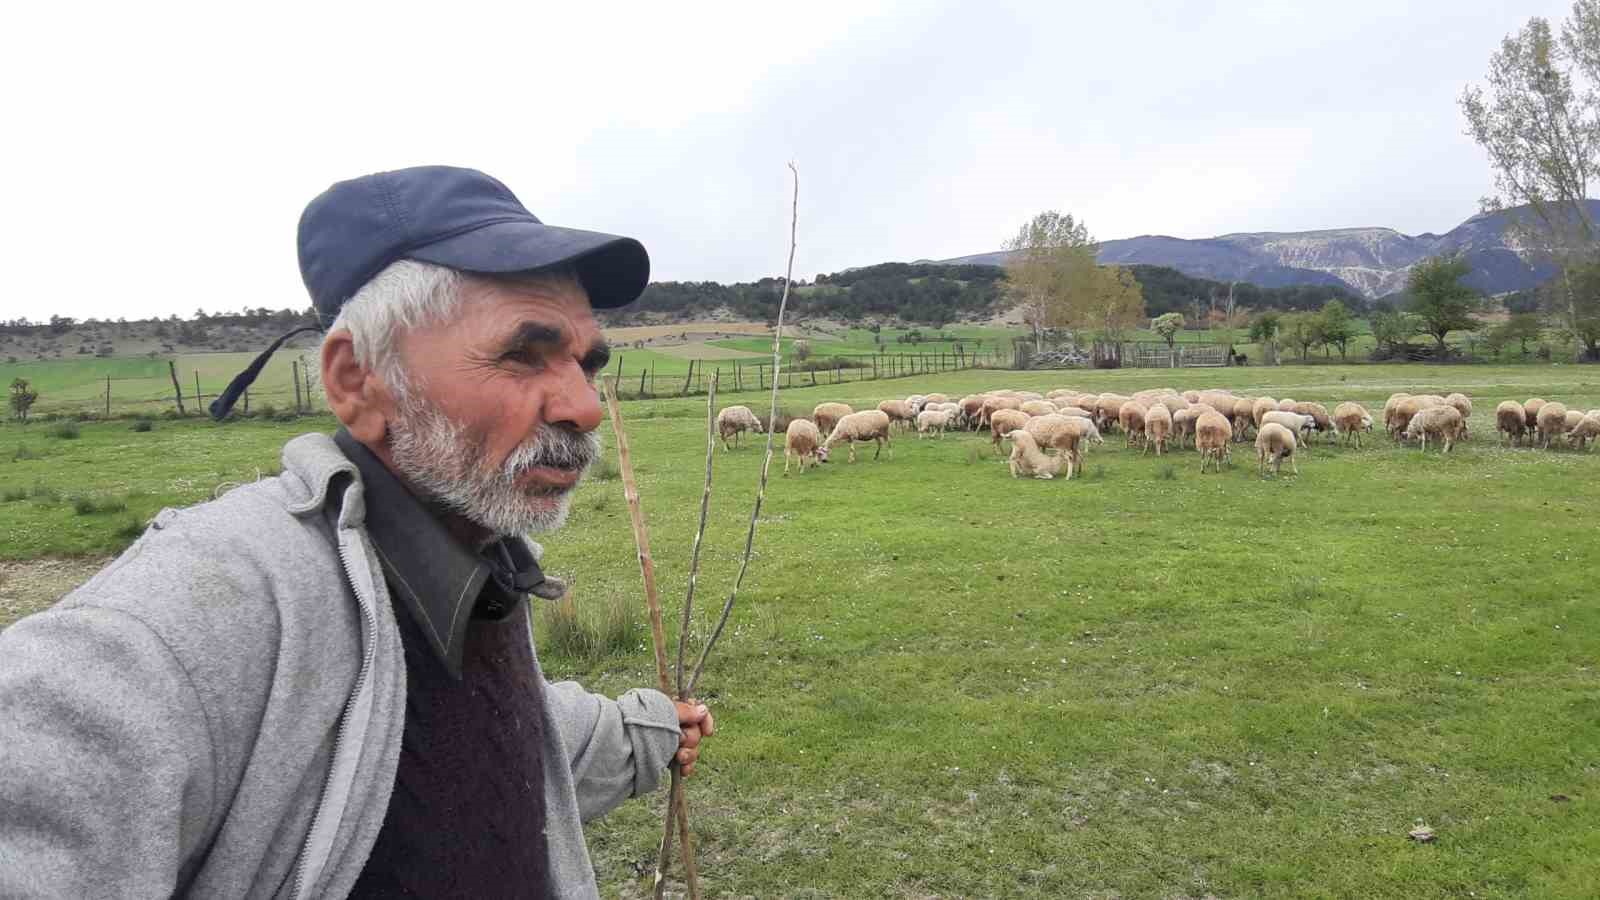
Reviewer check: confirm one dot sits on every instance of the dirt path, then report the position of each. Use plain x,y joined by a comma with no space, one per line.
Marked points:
27,587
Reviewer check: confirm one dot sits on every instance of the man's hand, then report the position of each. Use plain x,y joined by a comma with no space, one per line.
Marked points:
695,721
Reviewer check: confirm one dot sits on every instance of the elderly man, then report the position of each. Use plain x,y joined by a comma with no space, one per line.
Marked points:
324,684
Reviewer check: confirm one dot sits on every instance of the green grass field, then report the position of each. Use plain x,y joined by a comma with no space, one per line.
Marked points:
142,385
941,681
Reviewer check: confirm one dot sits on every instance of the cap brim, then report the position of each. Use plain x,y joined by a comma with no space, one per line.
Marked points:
614,270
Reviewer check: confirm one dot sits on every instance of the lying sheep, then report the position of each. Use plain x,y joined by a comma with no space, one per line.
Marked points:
1350,420
827,415
733,421
860,427
899,413
935,420
1213,437
1442,423
1587,428
1028,460
804,441
1552,423
1005,421
1157,428
1511,422
1277,443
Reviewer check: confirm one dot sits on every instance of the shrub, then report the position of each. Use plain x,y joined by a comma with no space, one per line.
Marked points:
1167,472
130,529
604,468
84,506
143,425
67,430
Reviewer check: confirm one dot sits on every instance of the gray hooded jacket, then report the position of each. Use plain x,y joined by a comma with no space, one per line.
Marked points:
218,712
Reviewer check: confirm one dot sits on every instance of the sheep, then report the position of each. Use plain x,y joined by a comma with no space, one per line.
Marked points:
899,413
1157,427
1243,417
1028,459
1062,433
1078,411
1443,423
1005,421
1191,396
1038,407
1276,442
1295,422
1286,405
827,415
1106,407
734,420
1574,416
971,409
993,404
1389,411
1349,420
1174,403
1321,422
1130,417
1183,425
1462,403
936,398
1261,407
867,425
1552,423
1404,411
1532,407
1587,427
932,420
1511,422
1213,437
803,440
1086,431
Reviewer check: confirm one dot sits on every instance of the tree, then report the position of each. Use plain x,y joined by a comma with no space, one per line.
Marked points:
1522,328
1338,326
1582,322
1264,330
802,350
1303,330
1110,302
1167,325
1050,256
1540,124
1439,299
22,397
1392,327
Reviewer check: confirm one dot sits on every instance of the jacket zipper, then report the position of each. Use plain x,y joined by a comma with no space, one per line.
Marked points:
369,651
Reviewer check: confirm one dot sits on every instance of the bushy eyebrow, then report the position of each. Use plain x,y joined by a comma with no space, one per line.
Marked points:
535,334
599,354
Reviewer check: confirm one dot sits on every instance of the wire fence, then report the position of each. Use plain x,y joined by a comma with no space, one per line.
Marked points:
739,376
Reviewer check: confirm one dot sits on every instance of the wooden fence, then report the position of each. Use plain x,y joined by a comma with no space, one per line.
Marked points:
737,375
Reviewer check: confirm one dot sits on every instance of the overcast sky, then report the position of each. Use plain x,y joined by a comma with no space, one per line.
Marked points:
159,157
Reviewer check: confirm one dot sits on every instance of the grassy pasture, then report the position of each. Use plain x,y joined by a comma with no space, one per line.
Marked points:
144,385
944,682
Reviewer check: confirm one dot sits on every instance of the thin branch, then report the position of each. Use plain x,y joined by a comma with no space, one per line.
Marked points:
700,532
641,532
772,420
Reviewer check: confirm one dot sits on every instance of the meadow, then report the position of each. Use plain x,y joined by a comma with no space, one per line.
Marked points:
1146,682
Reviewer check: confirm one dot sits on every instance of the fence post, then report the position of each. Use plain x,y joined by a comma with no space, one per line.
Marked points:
247,401
619,369
294,375
641,381
172,369
685,391
305,373
761,378
199,398
738,383
108,396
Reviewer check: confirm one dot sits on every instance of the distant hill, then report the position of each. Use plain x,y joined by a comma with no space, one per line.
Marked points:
1373,262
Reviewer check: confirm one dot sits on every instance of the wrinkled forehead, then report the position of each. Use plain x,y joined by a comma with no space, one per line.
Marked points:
503,306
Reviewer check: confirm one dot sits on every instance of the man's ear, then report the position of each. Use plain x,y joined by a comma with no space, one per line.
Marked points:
355,394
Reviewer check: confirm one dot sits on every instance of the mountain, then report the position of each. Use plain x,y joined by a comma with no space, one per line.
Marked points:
1372,261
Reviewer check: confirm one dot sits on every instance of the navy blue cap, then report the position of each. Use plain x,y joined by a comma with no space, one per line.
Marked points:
453,217
458,218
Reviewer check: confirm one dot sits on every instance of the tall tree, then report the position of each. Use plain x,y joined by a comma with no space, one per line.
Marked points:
1338,326
1052,257
1303,330
1111,302
1264,329
1438,298
22,397
1582,285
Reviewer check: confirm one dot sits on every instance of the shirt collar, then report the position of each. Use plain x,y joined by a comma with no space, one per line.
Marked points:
440,579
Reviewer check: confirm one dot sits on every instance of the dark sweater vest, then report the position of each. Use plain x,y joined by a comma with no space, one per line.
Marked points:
467,815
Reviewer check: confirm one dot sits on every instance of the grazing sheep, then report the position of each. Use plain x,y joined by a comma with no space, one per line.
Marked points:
733,421
1442,423
1243,417
1005,421
1587,427
1213,437
1191,396
1261,407
1349,420
1574,416
1321,422
827,415
1028,460
1286,405
1462,403
1183,425
936,420
993,404
1532,407
1300,425
1106,407
1038,407
1389,413
971,409
1275,442
803,440
1157,428
899,413
1078,411
1130,417
937,398
1552,423
860,427
1400,416
1174,403
1511,422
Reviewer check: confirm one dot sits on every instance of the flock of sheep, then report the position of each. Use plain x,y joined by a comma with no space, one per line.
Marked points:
1067,421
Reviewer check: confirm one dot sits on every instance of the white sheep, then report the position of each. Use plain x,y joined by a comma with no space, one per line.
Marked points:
1213,437
860,427
804,441
1157,428
1295,422
899,413
1275,442
1588,428
1350,420
1511,422
1552,423
1443,423
827,415
936,420
733,421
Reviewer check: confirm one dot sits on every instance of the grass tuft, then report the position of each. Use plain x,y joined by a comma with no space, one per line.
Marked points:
45,494
13,494
142,425
604,469
1168,472
130,529
66,431
589,633
23,452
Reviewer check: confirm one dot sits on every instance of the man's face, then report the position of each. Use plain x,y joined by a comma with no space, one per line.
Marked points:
499,422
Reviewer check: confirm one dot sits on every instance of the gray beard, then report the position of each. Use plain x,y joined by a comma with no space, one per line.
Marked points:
449,465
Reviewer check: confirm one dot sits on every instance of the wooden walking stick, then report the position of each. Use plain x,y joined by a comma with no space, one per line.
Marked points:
647,568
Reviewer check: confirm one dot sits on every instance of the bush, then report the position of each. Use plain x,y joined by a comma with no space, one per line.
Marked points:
589,634
88,506
266,411
604,468
130,529
83,506
67,430
143,425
